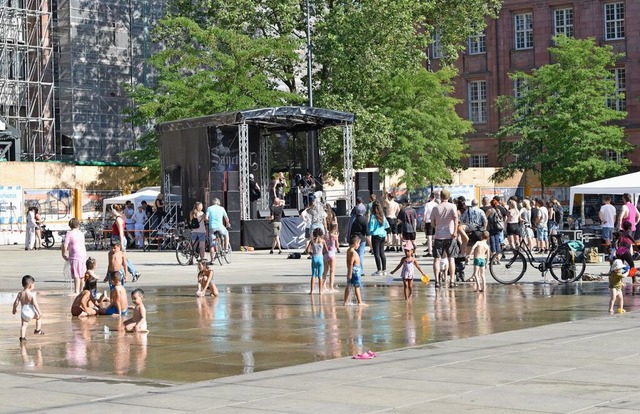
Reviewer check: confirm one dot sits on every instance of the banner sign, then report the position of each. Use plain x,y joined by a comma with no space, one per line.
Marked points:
11,211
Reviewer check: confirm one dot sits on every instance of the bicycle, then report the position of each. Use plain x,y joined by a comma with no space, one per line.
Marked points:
187,250
566,266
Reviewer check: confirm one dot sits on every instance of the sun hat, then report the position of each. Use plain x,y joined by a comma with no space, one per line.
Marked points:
619,265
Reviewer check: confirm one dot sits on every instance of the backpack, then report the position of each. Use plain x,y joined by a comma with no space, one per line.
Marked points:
194,223
496,222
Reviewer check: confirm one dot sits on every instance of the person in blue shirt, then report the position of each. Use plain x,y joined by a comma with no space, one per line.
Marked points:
217,219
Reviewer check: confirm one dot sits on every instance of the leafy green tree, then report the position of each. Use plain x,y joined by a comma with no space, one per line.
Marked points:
202,71
563,125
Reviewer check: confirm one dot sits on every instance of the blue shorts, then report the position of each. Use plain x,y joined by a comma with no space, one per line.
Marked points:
543,233
607,233
355,277
198,237
113,310
212,233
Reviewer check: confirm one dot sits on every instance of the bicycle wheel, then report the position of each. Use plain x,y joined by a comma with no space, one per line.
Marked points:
507,266
218,252
226,254
184,252
566,266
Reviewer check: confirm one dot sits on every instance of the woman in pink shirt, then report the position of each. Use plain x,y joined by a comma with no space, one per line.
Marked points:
628,213
74,250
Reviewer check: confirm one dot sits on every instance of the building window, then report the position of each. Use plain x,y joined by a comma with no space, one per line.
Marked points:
478,102
519,87
436,44
563,22
619,102
614,156
614,21
479,161
524,30
477,43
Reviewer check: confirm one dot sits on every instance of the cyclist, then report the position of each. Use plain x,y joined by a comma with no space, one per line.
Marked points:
218,221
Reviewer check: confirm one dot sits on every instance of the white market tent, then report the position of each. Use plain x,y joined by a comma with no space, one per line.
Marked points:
136,198
628,183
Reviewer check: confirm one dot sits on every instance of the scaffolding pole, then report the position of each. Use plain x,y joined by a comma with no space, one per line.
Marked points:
349,174
245,212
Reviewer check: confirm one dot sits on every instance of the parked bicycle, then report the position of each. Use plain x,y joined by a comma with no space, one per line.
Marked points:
47,237
565,261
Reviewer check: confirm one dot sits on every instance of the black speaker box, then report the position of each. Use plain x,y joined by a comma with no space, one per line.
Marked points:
364,195
362,181
341,207
233,180
217,181
374,181
264,213
233,200
214,194
235,239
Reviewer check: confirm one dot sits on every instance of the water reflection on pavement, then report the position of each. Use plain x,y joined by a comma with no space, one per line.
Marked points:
254,328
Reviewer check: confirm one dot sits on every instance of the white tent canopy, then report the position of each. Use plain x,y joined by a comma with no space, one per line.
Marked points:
628,183
136,198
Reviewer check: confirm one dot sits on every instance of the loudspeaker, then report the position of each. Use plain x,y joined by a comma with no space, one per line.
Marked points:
235,240
217,181
364,195
374,182
290,212
362,181
264,213
215,194
341,207
233,200
234,219
233,180
378,194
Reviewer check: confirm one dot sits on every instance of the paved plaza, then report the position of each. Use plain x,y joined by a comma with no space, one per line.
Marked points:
265,345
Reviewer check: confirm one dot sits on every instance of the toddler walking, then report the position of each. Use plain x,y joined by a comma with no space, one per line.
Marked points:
317,248
408,262
481,255
29,308
618,271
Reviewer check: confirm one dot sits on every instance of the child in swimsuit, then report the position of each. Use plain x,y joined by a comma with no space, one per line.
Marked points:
331,239
205,279
408,262
317,248
82,303
119,304
29,308
354,271
480,252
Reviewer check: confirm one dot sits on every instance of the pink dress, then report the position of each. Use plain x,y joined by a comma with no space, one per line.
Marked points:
632,216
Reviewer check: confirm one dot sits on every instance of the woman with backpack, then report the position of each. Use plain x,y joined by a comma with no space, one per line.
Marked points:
198,227
495,219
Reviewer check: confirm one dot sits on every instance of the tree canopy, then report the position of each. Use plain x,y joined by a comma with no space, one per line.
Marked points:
368,58
565,130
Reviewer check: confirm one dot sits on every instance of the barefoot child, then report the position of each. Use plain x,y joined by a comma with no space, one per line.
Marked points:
317,248
82,303
117,263
205,279
138,322
480,252
119,303
408,262
617,272
29,308
354,270
331,240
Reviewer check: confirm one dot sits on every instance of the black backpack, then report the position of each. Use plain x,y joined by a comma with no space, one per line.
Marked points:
194,223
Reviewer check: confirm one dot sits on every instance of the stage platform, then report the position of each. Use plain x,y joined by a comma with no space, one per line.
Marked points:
259,235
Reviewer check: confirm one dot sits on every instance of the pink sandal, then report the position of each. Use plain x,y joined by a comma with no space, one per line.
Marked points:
362,356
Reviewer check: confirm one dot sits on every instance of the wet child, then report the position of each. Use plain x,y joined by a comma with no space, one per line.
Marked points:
317,248
331,239
29,308
354,271
205,279
117,263
138,322
624,246
408,262
617,272
82,303
89,274
481,255
119,303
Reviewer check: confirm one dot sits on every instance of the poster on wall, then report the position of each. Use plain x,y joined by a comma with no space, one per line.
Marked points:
92,202
223,148
11,211
421,195
560,193
53,205
503,192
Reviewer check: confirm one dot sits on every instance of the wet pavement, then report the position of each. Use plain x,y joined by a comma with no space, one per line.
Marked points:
255,328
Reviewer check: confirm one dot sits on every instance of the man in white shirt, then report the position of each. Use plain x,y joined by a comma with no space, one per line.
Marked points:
543,230
444,220
426,222
607,216
393,240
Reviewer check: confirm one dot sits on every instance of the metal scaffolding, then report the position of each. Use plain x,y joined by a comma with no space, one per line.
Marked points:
26,74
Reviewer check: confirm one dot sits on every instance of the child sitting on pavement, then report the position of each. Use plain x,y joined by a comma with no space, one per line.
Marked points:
29,308
618,271
82,303
138,322
481,256
205,279
119,303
